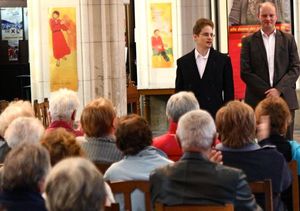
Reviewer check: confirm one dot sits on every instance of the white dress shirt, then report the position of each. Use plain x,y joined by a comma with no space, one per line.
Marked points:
269,42
201,61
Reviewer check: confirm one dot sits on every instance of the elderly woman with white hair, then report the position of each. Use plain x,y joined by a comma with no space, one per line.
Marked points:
63,105
14,110
24,130
178,104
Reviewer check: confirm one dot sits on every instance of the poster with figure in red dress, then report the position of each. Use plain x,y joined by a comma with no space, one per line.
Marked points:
62,48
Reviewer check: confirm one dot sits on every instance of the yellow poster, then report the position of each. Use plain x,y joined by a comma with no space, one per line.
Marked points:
161,38
62,48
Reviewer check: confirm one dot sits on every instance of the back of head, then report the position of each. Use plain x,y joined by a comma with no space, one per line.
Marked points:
133,134
62,104
24,130
97,118
75,184
236,124
25,167
14,110
196,131
278,111
61,144
200,24
179,104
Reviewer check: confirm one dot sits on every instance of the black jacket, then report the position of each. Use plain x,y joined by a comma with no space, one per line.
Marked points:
260,164
195,180
215,88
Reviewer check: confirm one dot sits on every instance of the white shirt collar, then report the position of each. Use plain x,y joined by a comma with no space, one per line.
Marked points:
264,34
197,54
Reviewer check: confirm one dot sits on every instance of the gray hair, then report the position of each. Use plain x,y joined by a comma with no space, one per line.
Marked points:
196,130
24,130
25,167
180,103
62,104
75,184
15,109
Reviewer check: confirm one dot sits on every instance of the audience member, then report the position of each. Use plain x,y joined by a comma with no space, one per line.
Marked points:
236,126
23,175
134,139
24,130
273,117
15,109
61,144
177,105
194,179
98,121
63,105
75,184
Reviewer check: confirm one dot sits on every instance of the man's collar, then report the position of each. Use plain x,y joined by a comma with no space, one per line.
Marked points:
197,54
264,34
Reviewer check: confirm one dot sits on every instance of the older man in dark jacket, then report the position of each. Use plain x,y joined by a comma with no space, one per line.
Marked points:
194,179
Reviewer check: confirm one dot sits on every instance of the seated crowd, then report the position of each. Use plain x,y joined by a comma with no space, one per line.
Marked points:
198,161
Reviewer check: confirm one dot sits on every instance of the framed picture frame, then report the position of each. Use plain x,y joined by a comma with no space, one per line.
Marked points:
156,43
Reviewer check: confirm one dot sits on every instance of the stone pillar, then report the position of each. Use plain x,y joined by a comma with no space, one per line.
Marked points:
190,12
103,28
100,49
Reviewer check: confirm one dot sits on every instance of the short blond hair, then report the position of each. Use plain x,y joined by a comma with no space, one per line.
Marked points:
97,117
236,124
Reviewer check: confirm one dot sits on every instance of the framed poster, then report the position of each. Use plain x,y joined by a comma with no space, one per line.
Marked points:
156,43
11,23
243,21
62,48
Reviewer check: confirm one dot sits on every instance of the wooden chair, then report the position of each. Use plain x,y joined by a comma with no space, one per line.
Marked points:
226,207
266,188
102,167
295,184
41,111
113,207
133,98
127,187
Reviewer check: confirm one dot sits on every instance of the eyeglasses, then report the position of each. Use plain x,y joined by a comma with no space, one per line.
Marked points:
208,34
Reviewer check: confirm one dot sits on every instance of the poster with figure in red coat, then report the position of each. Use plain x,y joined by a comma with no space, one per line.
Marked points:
62,48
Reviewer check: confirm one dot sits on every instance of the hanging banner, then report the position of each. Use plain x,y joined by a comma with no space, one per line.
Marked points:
62,48
161,38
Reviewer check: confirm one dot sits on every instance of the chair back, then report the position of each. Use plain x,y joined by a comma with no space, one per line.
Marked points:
41,111
295,184
265,187
102,167
127,187
133,98
113,207
162,207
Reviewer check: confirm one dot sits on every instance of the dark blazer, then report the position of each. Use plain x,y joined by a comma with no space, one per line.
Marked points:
195,180
255,72
259,164
215,88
